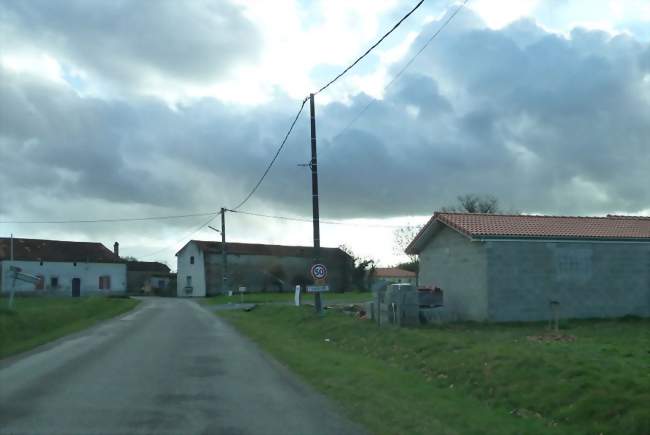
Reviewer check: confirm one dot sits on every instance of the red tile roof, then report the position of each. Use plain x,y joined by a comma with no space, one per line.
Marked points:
261,249
56,250
477,225
393,272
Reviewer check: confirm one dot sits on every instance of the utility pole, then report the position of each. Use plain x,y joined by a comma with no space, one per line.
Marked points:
313,164
224,257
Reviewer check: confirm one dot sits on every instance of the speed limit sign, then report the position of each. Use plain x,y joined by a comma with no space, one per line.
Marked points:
319,272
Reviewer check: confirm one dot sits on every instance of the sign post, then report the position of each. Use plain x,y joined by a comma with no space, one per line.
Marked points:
319,274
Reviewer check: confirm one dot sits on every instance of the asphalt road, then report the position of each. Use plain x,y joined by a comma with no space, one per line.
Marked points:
169,367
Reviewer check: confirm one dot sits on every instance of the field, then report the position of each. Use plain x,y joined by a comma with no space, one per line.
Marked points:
35,321
287,297
467,378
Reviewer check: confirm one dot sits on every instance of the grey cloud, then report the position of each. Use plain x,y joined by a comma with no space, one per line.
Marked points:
546,124
192,41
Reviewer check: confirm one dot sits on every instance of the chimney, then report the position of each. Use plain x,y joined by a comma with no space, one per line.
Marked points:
116,249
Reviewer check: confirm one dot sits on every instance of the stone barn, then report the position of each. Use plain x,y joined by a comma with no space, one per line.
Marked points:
514,267
255,266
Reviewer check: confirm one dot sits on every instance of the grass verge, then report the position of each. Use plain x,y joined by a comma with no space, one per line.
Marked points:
35,321
268,297
466,378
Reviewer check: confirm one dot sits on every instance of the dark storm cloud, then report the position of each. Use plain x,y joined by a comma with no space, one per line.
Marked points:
545,123
132,42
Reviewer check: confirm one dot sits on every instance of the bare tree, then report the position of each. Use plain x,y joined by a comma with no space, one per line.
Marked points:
403,236
472,203
469,203
363,271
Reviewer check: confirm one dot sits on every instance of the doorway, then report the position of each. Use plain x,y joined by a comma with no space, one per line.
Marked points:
76,287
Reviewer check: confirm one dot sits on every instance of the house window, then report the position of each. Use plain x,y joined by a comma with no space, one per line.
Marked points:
161,283
192,259
105,282
54,281
189,281
41,282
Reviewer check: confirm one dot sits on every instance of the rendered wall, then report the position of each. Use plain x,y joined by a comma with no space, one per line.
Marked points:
88,273
185,269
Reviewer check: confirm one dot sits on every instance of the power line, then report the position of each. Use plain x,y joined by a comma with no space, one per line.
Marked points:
302,106
370,49
185,237
277,153
297,219
112,220
404,68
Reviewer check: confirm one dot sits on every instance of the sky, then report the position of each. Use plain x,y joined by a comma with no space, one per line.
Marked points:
140,108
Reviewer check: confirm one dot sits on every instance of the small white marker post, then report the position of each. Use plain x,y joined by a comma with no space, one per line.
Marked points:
296,296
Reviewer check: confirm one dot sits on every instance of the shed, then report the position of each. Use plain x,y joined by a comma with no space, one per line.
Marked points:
511,267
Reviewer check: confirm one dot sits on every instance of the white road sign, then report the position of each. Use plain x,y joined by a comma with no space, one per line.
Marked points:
318,288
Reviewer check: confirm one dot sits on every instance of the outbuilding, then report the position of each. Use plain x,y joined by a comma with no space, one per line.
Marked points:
257,267
517,267
65,268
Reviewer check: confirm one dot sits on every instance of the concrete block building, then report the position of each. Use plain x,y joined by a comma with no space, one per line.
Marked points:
65,268
512,267
255,266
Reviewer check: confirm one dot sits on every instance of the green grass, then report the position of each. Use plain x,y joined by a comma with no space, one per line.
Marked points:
466,378
266,297
37,320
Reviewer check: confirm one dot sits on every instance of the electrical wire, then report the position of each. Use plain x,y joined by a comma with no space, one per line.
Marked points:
297,219
302,106
404,68
185,237
111,220
277,153
369,50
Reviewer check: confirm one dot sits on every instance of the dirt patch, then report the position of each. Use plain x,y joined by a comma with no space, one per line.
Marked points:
551,337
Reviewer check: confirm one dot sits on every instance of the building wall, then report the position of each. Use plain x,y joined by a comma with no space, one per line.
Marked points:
396,280
88,273
587,279
144,280
272,273
195,272
459,267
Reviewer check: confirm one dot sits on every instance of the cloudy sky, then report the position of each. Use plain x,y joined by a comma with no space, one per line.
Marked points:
131,108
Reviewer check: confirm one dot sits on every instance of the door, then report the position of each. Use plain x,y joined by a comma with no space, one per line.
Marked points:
76,287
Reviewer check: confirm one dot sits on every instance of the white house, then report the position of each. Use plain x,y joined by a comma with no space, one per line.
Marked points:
65,268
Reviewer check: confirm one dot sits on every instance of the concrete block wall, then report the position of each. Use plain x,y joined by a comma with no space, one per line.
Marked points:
588,279
459,267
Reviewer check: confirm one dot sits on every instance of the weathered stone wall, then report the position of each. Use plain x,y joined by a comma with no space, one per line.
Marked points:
587,279
458,266
272,273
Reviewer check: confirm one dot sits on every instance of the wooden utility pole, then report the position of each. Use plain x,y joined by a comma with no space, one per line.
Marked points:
313,164
224,256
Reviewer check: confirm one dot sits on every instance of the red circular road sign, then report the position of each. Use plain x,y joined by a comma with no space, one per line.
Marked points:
318,271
